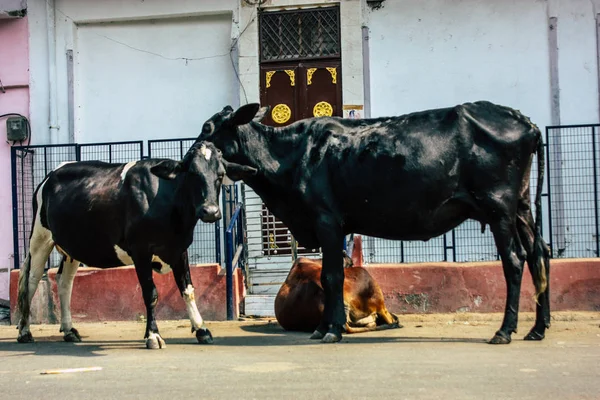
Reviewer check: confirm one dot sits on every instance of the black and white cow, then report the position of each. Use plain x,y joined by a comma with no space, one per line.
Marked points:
411,177
111,215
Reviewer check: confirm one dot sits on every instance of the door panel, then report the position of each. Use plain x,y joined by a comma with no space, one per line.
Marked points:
322,89
279,89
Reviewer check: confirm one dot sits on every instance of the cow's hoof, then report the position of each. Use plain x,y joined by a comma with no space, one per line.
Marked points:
72,336
499,338
204,336
317,334
154,341
331,338
25,338
534,335
396,320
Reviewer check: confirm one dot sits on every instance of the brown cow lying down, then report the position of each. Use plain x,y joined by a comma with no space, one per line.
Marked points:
300,301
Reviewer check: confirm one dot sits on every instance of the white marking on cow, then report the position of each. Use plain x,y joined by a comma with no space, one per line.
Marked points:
206,152
123,256
40,246
165,268
155,337
192,309
212,127
127,168
65,288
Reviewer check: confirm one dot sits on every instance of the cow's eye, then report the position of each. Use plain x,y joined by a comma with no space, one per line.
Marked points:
206,128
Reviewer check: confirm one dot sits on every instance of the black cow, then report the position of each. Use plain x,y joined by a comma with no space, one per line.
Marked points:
412,177
110,215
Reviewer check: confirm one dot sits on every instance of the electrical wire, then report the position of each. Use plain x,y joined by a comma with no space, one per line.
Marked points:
234,43
232,48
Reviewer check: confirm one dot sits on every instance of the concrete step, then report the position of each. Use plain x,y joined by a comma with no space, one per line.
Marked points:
260,305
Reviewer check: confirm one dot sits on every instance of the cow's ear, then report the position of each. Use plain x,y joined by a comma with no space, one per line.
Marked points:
262,112
167,169
237,172
244,114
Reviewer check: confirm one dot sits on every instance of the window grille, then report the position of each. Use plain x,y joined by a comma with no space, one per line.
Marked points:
300,34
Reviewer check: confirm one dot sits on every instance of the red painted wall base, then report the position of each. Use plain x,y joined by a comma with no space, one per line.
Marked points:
112,295
480,287
115,295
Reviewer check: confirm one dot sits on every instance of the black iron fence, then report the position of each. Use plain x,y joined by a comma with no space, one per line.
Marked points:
31,164
573,165
570,200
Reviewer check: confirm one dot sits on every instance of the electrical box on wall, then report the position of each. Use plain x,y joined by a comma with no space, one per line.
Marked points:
16,129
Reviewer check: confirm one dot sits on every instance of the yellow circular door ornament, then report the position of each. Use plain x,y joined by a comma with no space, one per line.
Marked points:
281,113
322,109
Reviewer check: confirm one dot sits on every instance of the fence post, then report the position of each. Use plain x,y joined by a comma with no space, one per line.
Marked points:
445,247
453,245
595,192
230,244
229,271
218,235
556,161
402,251
13,166
549,190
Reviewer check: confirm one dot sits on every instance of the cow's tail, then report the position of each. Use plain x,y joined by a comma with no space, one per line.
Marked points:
540,249
23,297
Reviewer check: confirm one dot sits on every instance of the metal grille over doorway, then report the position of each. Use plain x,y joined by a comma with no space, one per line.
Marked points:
300,34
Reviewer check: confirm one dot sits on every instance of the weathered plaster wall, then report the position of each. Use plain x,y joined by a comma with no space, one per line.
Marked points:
131,79
15,99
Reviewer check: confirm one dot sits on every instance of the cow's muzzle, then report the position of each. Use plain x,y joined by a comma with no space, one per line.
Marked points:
209,213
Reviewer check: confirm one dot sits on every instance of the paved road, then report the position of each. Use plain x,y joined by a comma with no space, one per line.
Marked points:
432,357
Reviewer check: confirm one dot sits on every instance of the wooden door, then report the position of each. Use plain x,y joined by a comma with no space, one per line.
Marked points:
322,94
303,90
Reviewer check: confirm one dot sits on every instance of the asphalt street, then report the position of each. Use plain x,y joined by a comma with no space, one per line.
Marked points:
443,356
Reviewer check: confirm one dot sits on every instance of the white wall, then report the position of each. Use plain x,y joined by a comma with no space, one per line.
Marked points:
577,62
175,97
38,72
439,53
123,92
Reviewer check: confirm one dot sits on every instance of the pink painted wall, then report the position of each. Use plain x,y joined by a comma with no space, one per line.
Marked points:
14,73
